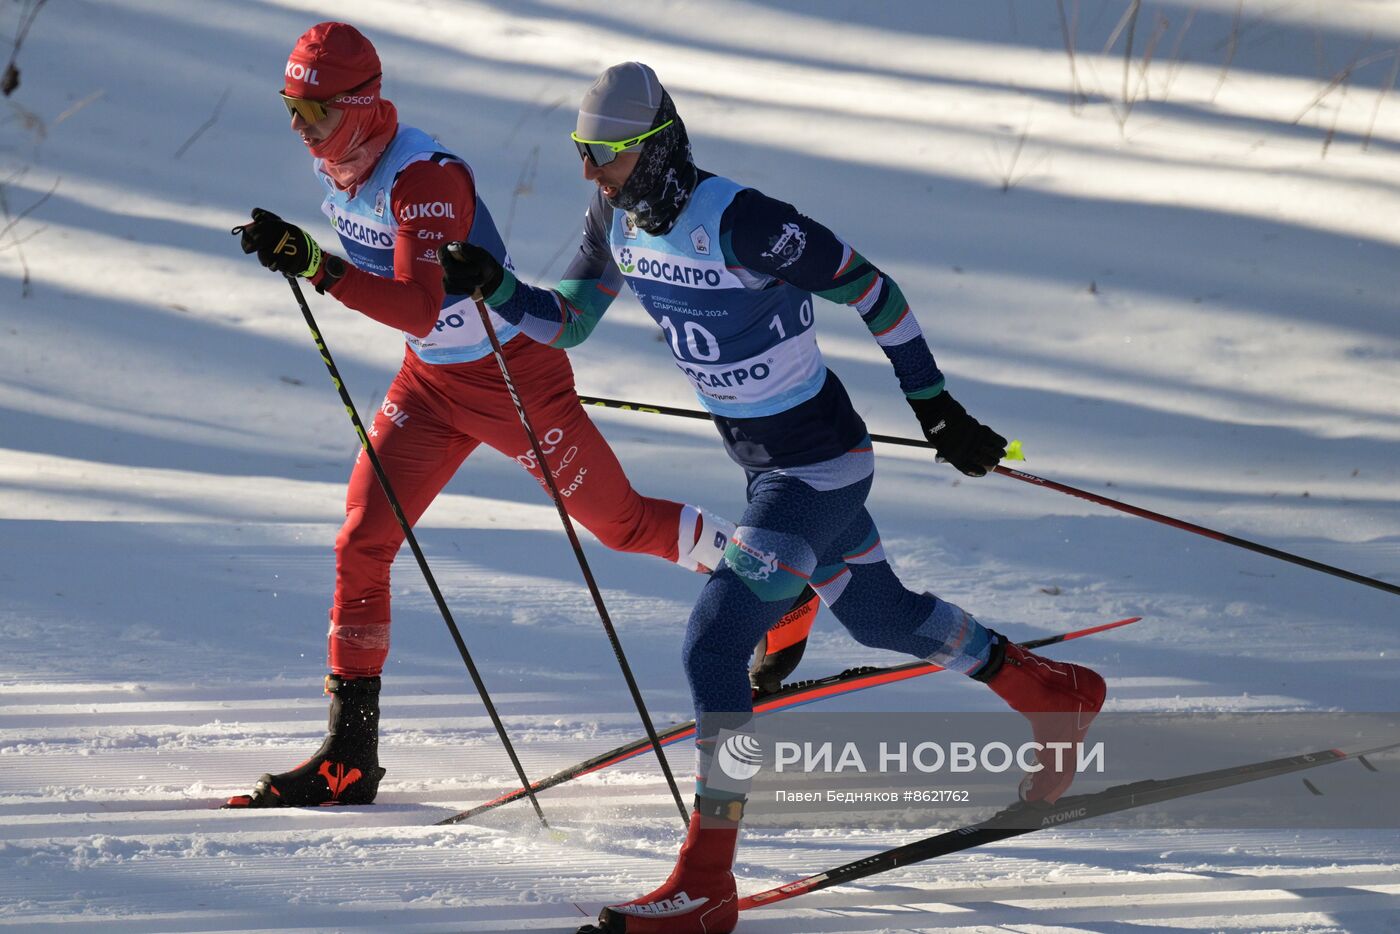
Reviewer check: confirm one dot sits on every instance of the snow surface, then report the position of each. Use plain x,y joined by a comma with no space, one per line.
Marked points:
1188,304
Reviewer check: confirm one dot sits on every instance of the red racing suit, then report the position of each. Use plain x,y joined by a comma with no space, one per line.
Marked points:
436,413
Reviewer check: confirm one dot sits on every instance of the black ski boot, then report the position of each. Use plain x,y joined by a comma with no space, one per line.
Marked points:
345,770
778,652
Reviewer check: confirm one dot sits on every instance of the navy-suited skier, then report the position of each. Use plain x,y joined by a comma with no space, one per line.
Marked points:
729,274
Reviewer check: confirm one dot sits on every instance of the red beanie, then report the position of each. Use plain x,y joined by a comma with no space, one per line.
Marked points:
331,58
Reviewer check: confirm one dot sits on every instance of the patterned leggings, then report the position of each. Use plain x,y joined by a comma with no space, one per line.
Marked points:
809,525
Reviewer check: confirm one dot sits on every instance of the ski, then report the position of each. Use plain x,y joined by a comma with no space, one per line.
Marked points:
1068,810
790,695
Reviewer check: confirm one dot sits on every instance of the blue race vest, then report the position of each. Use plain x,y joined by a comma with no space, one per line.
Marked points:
368,230
743,339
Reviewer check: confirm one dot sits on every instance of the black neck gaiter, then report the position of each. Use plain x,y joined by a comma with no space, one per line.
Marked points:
657,190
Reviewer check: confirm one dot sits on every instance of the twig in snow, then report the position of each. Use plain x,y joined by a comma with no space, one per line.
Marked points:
10,223
549,264
1067,30
1230,47
1332,129
1340,78
1131,91
1175,67
74,108
1345,85
24,289
542,111
1128,14
1159,29
1006,170
29,10
1132,15
1375,111
524,185
32,122
213,118
15,240
18,241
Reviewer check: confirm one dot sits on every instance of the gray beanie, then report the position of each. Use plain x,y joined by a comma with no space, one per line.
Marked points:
621,104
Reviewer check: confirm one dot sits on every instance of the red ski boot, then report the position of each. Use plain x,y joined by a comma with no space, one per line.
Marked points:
699,896
1059,699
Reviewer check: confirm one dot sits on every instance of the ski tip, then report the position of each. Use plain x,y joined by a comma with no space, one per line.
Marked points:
591,927
1079,633
1107,626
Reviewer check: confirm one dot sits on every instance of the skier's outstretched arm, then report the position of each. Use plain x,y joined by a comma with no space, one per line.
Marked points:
561,317
773,238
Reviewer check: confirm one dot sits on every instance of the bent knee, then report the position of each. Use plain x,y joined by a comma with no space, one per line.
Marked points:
363,540
773,565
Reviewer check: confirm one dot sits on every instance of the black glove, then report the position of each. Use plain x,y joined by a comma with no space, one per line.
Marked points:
469,270
960,439
281,246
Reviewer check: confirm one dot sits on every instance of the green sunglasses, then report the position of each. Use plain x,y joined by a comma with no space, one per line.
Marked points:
601,152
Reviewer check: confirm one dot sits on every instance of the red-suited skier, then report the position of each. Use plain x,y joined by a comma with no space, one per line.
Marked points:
729,274
393,195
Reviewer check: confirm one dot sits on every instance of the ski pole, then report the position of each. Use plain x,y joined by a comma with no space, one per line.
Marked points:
549,485
413,544
1060,488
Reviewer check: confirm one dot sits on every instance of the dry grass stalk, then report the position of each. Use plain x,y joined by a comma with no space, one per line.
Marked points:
1069,25
1231,45
1375,111
1175,58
